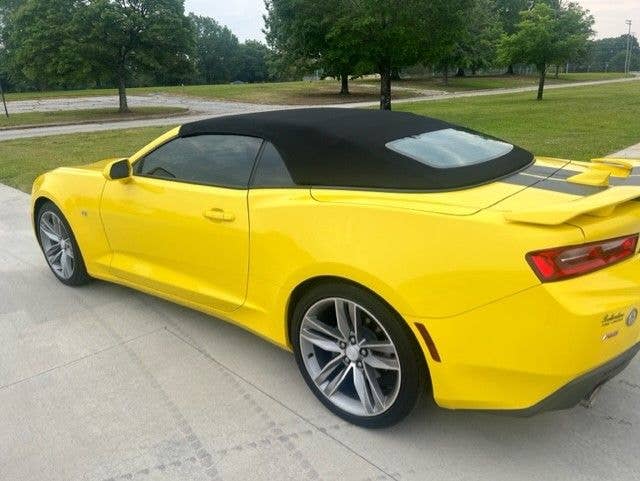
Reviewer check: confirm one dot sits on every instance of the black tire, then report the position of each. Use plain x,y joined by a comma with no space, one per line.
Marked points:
79,276
414,377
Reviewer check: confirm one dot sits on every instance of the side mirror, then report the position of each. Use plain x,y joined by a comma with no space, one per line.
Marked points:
118,169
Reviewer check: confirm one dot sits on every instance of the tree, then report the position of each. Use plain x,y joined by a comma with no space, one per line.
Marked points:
217,51
576,25
309,35
400,33
475,47
509,14
7,8
609,54
121,37
42,44
68,43
252,64
544,36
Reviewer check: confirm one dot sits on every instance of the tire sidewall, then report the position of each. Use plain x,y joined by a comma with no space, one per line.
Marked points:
80,275
413,368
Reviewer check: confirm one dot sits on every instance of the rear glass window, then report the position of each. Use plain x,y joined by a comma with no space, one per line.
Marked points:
449,148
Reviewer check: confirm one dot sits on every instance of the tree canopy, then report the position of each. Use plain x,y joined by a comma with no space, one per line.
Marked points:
216,50
121,37
308,34
65,44
382,34
609,55
546,36
47,44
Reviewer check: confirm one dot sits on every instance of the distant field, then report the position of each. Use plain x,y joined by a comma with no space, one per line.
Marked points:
78,116
321,92
579,123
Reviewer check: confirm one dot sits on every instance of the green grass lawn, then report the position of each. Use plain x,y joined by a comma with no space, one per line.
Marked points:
291,93
22,160
78,116
458,84
579,123
319,92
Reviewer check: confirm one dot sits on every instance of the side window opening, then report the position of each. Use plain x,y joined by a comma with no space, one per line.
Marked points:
223,160
271,170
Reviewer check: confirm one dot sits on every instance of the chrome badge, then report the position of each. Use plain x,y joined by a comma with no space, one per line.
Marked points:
631,317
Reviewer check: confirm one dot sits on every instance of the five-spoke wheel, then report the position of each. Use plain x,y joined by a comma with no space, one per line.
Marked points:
357,355
56,244
350,356
59,245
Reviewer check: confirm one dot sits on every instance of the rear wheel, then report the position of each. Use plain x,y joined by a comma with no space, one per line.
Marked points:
59,246
357,355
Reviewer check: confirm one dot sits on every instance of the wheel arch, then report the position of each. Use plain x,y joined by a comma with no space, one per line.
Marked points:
306,285
37,203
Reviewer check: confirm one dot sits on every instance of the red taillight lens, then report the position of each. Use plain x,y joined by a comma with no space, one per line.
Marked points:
565,262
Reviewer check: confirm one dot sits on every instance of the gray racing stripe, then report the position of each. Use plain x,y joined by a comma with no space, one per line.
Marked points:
553,184
568,188
631,180
542,171
521,179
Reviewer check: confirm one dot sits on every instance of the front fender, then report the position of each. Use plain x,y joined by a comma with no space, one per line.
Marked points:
77,193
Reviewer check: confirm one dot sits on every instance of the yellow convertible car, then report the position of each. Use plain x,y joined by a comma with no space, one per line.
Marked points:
393,254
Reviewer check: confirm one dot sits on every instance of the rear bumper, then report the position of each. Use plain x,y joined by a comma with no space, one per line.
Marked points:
580,388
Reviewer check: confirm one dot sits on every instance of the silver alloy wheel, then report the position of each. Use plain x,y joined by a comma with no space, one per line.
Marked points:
56,244
350,357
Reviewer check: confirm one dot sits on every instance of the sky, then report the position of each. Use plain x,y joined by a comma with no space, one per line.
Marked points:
244,17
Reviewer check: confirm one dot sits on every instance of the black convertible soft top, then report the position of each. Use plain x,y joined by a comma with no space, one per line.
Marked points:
340,147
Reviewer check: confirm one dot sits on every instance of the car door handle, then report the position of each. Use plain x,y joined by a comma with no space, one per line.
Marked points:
219,215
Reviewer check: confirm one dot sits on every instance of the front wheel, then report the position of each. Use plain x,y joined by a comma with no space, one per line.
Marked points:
59,246
357,355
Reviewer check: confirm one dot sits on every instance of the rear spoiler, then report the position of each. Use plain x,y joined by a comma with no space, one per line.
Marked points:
601,204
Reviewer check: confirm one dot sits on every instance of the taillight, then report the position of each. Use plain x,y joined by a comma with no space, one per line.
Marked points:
566,262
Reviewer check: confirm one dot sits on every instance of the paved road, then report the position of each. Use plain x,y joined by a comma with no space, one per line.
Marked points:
201,108
104,383
632,152
105,101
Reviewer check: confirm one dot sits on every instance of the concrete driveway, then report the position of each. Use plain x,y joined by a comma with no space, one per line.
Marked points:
104,383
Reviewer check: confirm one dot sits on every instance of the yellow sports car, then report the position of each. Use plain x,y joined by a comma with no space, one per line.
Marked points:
393,254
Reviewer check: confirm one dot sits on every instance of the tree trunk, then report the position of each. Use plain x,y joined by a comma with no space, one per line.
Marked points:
122,95
460,72
385,88
557,71
510,70
4,102
445,75
543,76
344,89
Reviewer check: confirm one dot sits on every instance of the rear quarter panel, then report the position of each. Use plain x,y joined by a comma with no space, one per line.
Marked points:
424,264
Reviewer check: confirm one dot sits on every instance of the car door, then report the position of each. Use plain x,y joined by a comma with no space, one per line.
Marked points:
180,225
